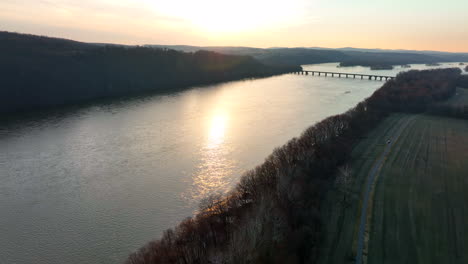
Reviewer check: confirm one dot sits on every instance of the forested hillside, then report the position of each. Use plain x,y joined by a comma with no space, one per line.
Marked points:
387,58
42,72
345,56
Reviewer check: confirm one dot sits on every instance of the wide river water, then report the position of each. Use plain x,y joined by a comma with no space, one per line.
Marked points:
92,184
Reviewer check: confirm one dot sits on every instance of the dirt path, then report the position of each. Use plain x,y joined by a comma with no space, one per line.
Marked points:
369,187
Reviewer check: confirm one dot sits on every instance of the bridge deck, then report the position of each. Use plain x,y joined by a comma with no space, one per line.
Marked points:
369,76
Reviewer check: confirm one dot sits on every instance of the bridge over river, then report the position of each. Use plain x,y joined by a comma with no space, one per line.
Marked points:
347,75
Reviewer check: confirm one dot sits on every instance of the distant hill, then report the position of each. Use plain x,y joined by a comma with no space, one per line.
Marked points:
271,56
346,56
428,52
41,72
387,58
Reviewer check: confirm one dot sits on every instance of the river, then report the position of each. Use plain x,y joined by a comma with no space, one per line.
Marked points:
91,184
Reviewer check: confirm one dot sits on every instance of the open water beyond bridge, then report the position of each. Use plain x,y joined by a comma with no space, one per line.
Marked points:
347,75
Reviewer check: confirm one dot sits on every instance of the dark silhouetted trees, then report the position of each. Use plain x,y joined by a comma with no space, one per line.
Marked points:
414,91
463,81
455,111
42,72
450,110
386,59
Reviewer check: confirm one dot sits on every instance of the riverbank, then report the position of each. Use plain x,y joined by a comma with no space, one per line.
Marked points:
279,201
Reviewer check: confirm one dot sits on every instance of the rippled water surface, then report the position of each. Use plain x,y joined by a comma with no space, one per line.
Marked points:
92,184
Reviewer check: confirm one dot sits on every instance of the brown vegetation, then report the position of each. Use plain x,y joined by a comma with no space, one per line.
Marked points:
273,214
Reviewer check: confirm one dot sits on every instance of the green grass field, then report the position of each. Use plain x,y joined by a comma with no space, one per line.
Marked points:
420,210
419,206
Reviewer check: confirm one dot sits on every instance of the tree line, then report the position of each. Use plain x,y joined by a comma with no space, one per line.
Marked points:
273,215
375,59
41,72
463,81
349,56
455,111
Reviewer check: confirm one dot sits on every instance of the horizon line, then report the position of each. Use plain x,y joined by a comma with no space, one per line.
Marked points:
251,47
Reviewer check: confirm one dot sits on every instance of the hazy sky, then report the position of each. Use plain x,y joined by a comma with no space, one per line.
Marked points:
405,24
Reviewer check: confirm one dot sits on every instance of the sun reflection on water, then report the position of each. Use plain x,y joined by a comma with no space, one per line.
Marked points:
217,131
213,174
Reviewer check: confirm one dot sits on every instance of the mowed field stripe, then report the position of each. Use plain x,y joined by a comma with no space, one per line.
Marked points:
361,239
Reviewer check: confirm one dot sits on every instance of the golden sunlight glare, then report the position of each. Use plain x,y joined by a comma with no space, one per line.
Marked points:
217,130
231,16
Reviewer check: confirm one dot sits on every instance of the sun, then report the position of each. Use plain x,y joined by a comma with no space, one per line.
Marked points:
223,18
220,16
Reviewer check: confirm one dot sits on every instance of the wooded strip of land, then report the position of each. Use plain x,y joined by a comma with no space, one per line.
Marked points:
419,207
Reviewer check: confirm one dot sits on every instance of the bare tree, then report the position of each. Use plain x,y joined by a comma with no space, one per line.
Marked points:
344,183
